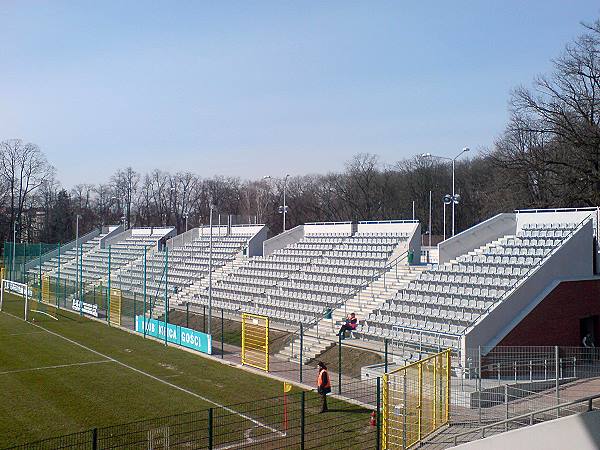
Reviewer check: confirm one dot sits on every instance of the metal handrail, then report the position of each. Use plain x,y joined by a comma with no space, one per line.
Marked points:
530,416
512,288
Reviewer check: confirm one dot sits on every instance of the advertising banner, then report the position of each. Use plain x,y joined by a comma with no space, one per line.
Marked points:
176,334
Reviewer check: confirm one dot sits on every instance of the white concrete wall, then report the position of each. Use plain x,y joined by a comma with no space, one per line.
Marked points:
387,226
256,242
579,431
328,227
476,236
553,217
283,240
572,260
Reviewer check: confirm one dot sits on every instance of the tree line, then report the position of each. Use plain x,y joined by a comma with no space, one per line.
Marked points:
547,156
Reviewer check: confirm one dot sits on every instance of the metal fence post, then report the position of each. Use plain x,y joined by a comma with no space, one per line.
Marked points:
378,417
301,349
340,363
187,314
556,369
210,428
479,383
506,404
145,286
302,420
405,409
204,318
108,296
385,341
222,334
95,439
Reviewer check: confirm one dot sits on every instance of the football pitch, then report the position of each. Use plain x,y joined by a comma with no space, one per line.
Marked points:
62,376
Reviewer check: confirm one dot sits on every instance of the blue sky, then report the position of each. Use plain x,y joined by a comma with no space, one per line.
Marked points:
256,87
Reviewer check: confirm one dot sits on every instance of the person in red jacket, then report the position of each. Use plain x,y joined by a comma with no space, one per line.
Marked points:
323,385
349,325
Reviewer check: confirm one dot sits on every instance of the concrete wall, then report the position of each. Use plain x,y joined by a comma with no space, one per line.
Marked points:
112,234
482,233
256,242
328,227
387,226
283,240
414,243
579,431
572,260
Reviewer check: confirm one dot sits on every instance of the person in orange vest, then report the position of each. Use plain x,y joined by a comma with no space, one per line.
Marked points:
323,385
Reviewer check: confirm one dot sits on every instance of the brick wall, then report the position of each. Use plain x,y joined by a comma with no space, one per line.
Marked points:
555,321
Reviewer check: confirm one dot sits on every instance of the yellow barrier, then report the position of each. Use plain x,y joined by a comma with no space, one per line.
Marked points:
46,289
416,401
255,341
115,306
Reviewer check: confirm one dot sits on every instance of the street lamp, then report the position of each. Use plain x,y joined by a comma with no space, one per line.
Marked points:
282,209
455,198
210,244
446,200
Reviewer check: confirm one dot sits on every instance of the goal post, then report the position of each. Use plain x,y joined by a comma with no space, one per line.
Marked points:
255,341
18,289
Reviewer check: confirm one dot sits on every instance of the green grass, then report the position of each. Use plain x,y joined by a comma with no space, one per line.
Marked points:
89,389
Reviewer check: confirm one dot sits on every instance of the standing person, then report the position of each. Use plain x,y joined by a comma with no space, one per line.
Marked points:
323,385
349,325
588,344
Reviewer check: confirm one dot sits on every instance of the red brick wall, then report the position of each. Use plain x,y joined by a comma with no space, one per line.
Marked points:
555,321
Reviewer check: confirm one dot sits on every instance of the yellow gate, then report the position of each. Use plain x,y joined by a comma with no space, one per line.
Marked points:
46,289
255,341
416,401
115,306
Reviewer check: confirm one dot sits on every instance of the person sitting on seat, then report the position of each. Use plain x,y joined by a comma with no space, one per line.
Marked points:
349,325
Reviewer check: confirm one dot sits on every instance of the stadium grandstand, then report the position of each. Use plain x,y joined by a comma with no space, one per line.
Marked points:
521,279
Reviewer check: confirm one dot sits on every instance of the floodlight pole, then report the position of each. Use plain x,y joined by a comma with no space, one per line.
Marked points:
210,244
454,200
444,203
284,192
429,218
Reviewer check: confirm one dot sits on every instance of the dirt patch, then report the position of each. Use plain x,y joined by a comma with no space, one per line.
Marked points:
353,359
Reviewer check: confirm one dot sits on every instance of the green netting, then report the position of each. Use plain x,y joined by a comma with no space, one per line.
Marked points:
19,258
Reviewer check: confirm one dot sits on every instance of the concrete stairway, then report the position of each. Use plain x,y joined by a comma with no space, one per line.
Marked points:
322,336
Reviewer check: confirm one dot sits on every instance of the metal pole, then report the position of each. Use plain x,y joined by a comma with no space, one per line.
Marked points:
12,272
378,416
187,314
166,316
222,334
301,348
556,370
479,382
81,280
453,195
302,420
108,287
77,255
40,273
145,287
413,215
210,243
340,363
210,428
284,192
57,293
444,220
386,355
429,218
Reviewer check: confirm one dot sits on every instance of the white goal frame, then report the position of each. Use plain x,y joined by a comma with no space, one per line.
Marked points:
20,289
